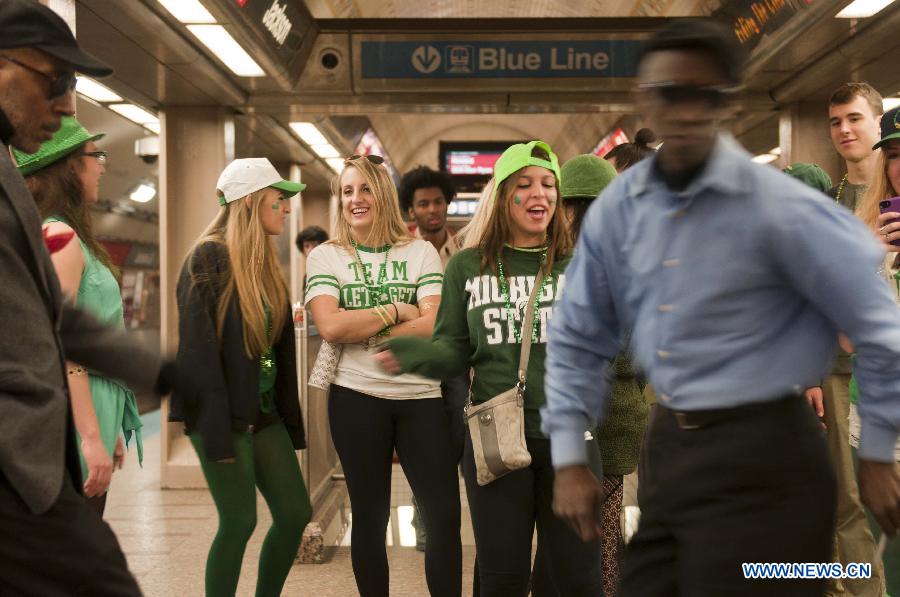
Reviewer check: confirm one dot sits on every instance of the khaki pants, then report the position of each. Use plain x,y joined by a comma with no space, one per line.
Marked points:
853,537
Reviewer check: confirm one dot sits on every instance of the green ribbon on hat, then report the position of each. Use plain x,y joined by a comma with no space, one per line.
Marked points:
70,137
519,156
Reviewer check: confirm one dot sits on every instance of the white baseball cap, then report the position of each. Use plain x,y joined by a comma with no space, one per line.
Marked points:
248,175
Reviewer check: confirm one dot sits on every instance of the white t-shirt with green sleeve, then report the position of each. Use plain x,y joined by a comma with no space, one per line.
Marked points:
413,272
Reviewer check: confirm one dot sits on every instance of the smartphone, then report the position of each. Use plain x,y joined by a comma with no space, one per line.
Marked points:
892,204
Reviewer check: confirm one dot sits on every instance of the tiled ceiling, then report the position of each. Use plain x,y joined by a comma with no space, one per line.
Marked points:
504,9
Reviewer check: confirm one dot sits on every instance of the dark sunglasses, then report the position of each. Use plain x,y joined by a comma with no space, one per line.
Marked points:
59,85
674,93
373,159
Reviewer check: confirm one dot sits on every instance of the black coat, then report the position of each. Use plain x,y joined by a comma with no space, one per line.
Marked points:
219,388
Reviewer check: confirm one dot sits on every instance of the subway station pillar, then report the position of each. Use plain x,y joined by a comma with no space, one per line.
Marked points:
803,135
195,145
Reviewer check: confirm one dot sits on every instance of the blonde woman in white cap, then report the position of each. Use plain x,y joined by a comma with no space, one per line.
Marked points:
241,409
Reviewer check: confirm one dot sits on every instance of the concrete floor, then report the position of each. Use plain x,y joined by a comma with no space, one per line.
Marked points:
165,536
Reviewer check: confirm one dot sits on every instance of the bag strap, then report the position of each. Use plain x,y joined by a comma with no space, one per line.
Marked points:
525,353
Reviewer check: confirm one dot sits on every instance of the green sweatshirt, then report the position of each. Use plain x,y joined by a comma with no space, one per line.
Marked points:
472,329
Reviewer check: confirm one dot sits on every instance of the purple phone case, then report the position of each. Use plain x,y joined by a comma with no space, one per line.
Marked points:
892,204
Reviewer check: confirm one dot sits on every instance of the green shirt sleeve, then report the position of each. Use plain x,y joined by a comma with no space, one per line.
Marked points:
446,354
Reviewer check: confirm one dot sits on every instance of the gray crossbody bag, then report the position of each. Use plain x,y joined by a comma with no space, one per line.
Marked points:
497,426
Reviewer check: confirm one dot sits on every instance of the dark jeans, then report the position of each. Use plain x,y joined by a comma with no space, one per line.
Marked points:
756,486
504,514
366,430
67,550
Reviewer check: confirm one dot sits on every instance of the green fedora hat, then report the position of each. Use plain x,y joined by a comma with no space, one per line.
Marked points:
70,137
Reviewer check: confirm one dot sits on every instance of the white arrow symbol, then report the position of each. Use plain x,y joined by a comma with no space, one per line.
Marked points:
426,59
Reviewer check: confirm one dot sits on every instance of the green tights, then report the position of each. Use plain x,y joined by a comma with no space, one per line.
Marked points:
266,460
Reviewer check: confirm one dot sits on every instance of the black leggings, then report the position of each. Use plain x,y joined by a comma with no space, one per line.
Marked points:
504,514
366,430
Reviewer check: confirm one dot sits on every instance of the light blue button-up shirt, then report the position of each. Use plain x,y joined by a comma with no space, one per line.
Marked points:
735,289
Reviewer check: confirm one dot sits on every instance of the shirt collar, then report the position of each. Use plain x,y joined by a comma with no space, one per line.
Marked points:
6,128
722,172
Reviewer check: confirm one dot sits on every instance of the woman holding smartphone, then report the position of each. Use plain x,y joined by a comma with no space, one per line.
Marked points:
481,325
241,408
370,283
885,186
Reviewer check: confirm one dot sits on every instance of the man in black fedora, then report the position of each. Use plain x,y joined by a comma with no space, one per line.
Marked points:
51,541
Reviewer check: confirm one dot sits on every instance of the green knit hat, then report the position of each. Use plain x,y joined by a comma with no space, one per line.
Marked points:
811,175
585,176
70,137
519,156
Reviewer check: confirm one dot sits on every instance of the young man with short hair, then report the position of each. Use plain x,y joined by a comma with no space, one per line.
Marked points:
424,196
854,111
717,266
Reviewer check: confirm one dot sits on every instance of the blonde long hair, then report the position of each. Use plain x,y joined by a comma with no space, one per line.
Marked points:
254,272
879,190
495,231
388,227
470,235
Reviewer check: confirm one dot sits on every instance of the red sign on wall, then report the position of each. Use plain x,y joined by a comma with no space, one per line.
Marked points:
241,3
617,137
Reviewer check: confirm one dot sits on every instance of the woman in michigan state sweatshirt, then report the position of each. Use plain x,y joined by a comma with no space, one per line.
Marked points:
480,325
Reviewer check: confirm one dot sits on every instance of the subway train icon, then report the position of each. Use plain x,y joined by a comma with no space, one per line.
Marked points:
459,59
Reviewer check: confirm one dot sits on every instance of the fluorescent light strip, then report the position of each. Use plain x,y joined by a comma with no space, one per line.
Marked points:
336,164
188,11
99,93
765,158
226,49
326,151
890,103
861,9
775,151
137,115
309,133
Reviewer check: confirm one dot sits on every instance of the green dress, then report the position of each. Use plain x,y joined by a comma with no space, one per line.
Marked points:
114,403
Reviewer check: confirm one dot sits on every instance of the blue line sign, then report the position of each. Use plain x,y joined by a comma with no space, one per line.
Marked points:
499,59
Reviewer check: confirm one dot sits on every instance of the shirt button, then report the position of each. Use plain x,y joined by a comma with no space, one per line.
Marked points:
671,262
665,308
663,354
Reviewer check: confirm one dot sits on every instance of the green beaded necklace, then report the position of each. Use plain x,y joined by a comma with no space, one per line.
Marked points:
377,290
837,196
504,291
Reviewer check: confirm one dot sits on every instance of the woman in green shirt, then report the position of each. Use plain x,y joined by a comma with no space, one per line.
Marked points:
64,177
479,325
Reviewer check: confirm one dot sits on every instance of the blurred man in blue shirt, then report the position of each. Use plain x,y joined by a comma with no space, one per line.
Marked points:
734,280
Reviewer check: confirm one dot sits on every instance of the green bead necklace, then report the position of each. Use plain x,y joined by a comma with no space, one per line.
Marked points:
837,196
504,291
377,290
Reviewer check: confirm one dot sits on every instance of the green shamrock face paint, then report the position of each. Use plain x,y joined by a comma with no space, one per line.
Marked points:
517,200
277,204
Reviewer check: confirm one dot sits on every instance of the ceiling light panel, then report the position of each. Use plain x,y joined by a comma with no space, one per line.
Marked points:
336,164
99,93
309,133
860,9
326,151
226,49
765,158
188,11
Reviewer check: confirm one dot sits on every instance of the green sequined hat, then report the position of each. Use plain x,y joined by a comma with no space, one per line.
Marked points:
585,176
70,137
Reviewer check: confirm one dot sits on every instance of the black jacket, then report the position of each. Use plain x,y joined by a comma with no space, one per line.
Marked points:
39,331
219,388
